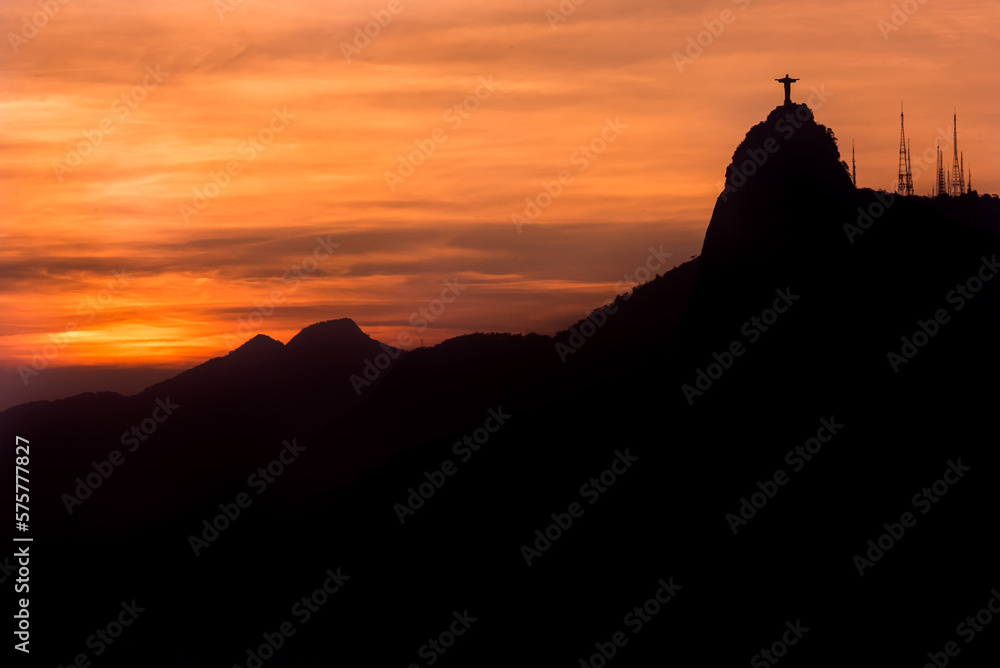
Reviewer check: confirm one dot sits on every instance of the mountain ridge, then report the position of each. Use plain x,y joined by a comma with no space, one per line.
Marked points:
680,407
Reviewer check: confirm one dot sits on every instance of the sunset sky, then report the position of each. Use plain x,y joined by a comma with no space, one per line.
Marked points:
116,115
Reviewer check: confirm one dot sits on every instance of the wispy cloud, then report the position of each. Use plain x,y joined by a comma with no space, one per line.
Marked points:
324,173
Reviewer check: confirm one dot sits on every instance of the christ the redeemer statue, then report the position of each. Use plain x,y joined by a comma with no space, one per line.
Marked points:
788,87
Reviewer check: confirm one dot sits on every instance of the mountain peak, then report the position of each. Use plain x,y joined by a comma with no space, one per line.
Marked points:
786,198
786,187
259,344
786,151
327,332
332,340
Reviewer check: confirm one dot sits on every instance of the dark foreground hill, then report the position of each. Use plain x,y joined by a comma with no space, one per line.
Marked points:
786,445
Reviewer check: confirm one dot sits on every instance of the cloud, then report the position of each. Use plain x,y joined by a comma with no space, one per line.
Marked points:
325,172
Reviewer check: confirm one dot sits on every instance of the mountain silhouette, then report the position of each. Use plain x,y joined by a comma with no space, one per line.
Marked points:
327,342
815,311
786,186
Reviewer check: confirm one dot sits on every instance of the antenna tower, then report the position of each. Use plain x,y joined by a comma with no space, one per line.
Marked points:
905,183
942,188
957,185
854,167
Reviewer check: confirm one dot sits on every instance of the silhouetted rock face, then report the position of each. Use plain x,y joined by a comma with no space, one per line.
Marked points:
259,346
779,220
334,341
322,334
787,194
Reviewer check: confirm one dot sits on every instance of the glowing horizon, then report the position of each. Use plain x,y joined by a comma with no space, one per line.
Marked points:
206,149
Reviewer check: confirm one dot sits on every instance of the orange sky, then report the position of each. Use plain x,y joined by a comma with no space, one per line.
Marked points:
115,113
